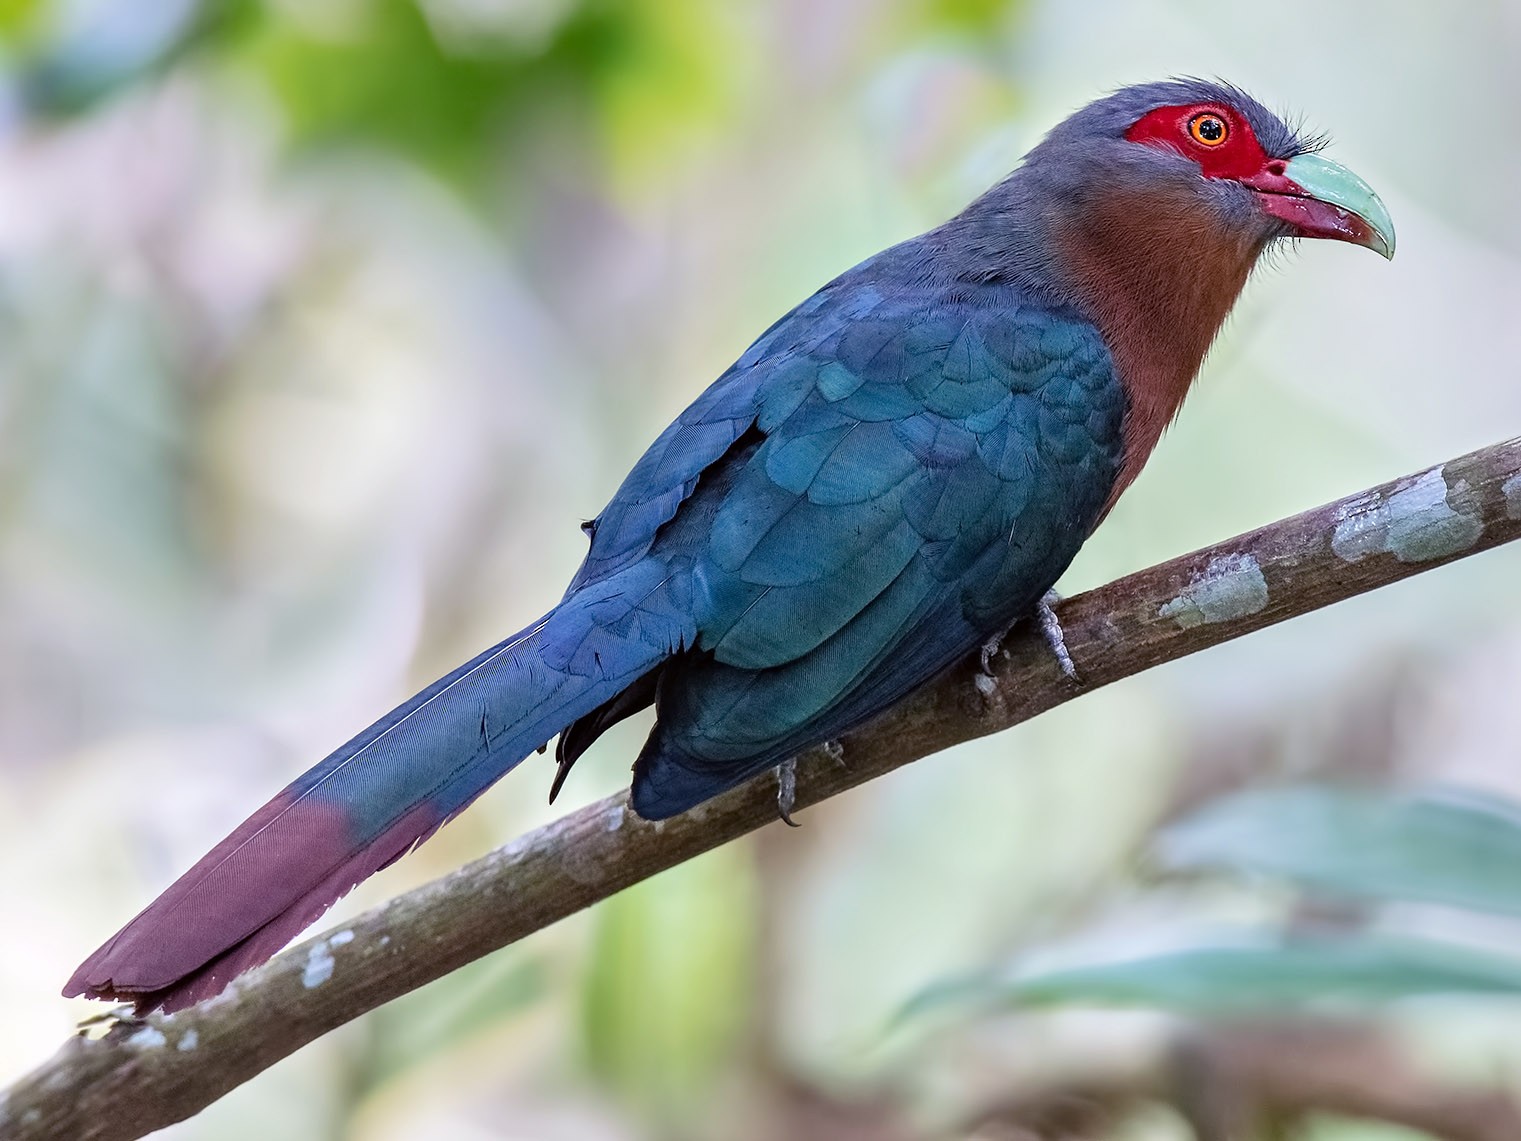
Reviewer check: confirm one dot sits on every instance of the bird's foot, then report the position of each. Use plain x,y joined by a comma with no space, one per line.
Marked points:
786,791
1051,631
835,751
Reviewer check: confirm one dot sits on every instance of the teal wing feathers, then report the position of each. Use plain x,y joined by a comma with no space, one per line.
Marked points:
921,468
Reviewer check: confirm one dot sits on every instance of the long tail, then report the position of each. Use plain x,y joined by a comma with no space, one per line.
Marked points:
376,798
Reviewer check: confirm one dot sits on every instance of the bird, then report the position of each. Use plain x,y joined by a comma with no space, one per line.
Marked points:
893,474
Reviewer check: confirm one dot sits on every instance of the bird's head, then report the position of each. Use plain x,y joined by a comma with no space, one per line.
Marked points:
1147,211
1257,171
1164,192
1203,161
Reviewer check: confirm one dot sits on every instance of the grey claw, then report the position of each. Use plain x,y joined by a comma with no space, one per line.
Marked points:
990,650
985,681
1051,630
786,791
835,752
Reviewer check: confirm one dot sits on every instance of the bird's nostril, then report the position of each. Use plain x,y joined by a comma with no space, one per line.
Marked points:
1276,168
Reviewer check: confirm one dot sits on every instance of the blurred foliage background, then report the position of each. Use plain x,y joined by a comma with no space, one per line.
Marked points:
323,324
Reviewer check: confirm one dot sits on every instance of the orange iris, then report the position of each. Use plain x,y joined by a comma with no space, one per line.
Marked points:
1208,129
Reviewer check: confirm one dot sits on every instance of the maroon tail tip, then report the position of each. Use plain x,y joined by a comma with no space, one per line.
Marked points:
274,876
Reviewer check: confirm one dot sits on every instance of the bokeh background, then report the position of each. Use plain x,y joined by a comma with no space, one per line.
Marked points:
324,322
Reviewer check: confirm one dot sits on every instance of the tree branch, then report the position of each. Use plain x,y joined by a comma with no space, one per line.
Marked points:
145,1075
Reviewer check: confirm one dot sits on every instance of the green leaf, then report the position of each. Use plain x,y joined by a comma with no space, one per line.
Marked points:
1243,976
1360,845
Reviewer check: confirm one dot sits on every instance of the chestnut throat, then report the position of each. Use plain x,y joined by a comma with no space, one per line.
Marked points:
1158,280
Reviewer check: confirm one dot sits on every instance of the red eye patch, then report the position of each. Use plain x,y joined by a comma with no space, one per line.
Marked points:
1214,136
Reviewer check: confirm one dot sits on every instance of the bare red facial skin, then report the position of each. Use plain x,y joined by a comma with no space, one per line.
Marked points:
1238,157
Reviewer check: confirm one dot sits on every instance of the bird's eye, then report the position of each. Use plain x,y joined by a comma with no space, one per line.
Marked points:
1208,129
